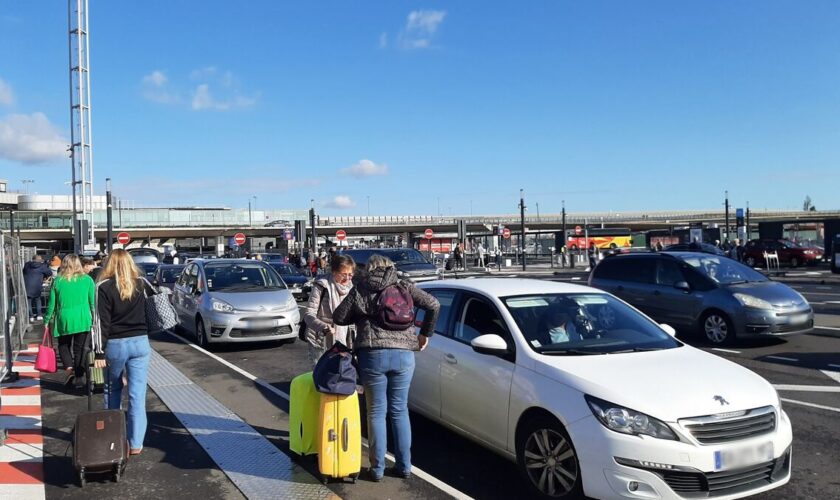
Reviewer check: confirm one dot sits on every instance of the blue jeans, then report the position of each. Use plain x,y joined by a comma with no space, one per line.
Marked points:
35,306
386,375
132,355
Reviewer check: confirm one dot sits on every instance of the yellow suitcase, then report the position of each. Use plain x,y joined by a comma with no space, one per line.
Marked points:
304,406
340,437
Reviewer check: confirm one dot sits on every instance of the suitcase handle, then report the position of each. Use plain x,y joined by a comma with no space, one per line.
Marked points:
345,435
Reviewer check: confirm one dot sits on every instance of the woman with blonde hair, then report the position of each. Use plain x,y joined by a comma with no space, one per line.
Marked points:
125,342
70,310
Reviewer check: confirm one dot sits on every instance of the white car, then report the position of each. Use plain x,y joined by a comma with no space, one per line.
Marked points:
591,397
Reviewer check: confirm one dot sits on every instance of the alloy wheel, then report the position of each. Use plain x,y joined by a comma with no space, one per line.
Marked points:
794,262
550,463
716,328
751,261
200,334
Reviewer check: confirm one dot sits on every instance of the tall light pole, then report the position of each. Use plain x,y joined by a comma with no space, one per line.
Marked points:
25,183
522,224
438,200
368,206
250,222
109,207
726,209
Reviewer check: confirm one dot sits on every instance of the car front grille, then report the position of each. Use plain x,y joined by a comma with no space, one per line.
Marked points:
713,429
792,327
266,332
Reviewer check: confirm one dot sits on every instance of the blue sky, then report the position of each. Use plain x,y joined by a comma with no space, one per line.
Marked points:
647,105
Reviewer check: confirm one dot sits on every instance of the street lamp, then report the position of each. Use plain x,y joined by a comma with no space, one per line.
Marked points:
25,187
368,206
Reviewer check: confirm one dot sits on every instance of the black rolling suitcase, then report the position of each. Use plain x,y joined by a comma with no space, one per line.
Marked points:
100,445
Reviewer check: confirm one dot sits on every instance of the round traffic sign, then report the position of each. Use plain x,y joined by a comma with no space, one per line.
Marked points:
506,233
123,238
239,239
429,234
341,234
578,230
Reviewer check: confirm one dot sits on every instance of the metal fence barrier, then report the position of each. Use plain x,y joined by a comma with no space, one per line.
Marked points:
14,305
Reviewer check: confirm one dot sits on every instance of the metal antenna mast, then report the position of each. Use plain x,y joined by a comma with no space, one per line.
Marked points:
81,149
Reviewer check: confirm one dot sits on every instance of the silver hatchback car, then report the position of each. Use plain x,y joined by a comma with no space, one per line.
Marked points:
716,295
235,300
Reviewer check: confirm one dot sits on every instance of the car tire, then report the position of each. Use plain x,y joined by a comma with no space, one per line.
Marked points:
750,261
794,262
200,334
547,459
717,328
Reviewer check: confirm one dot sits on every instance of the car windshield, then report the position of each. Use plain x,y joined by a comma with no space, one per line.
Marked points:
170,274
790,244
722,269
241,276
581,324
286,269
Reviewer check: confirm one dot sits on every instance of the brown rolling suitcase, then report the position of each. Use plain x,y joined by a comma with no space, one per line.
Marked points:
99,441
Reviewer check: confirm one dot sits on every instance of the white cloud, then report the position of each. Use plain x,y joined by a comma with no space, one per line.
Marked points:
341,202
365,168
203,100
383,40
31,139
7,97
203,73
155,88
420,28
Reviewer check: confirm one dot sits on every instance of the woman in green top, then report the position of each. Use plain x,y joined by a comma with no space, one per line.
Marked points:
72,299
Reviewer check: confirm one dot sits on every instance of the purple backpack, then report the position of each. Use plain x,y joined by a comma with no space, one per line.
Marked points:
395,308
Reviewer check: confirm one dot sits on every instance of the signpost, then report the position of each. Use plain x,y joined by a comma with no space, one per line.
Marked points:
123,238
429,234
341,235
288,234
239,239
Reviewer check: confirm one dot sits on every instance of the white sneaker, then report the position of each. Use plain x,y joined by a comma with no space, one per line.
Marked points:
39,318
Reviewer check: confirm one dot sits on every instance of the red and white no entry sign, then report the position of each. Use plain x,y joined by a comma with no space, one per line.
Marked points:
123,238
429,234
341,235
239,239
506,233
578,230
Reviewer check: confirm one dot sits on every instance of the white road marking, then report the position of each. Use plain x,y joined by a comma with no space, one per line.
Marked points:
818,303
805,292
414,469
21,400
831,302
835,376
781,358
19,452
725,350
834,366
812,405
806,388
827,327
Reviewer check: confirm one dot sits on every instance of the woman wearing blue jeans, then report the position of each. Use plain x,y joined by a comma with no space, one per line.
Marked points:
386,359
124,341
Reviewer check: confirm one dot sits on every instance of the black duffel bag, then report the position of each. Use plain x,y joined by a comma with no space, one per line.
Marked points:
335,372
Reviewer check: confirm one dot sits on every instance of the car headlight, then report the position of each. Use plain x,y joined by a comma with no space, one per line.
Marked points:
221,306
754,302
626,421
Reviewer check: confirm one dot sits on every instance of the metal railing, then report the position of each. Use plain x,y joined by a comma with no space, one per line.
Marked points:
14,306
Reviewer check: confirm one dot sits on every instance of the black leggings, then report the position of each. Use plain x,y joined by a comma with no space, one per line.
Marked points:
72,350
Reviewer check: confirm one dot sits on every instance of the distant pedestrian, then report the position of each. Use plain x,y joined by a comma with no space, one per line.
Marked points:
459,256
125,343
327,293
481,254
563,255
593,250
35,272
659,246
70,315
497,253
55,264
313,266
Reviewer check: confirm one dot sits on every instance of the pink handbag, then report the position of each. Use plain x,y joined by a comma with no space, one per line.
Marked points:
45,362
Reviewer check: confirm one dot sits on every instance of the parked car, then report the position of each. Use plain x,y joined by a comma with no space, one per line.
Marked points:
273,257
145,254
694,247
235,300
299,284
609,406
835,254
789,252
409,262
711,294
167,274
148,268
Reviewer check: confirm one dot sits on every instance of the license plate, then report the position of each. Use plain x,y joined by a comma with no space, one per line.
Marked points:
799,318
271,323
747,456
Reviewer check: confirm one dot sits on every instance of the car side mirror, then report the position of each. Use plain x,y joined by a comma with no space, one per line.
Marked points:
682,285
668,329
491,344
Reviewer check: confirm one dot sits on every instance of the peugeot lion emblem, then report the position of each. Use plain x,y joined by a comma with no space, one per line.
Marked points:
721,400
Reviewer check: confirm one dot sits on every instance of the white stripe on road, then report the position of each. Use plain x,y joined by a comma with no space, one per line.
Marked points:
832,375
805,292
812,405
781,358
24,369
725,350
19,452
827,327
21,400
23,491
414,469
806,388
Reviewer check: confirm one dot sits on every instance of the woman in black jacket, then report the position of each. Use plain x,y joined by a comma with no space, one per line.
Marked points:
125,342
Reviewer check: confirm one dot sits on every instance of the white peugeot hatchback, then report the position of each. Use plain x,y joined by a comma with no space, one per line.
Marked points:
591,397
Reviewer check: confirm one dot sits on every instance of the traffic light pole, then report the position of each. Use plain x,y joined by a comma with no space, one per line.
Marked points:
726,206
109,235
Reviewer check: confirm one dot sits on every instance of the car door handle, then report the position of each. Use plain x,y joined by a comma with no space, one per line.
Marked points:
451,359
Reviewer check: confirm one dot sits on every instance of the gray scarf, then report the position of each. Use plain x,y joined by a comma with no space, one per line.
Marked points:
337,293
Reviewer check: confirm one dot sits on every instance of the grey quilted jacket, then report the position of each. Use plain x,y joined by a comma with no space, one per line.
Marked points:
360,308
